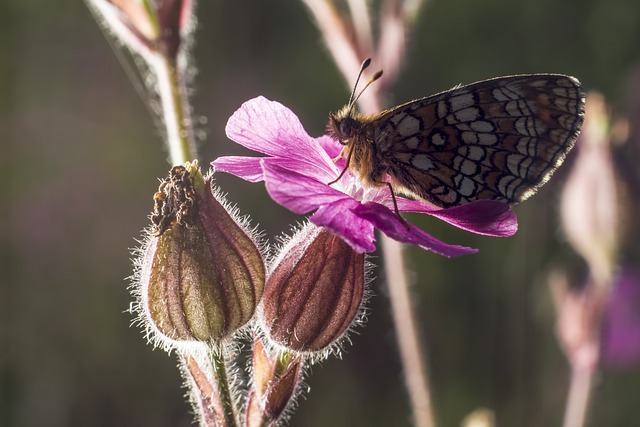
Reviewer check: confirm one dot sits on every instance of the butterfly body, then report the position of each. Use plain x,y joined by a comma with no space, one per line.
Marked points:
497,139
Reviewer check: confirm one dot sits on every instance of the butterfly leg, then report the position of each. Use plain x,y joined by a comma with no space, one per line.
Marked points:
346,166
395,204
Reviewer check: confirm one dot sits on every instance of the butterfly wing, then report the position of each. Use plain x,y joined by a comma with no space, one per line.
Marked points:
497,139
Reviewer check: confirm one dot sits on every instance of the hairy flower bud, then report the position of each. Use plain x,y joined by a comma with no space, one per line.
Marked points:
315,292
590,205
201,275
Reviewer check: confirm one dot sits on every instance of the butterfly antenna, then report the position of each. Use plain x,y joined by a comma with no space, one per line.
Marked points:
353,99
375,77
364,66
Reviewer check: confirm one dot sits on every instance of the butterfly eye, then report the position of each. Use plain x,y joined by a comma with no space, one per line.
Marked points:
346,128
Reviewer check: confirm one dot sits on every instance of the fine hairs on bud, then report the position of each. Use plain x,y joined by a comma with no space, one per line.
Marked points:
261,344
291,251
144,257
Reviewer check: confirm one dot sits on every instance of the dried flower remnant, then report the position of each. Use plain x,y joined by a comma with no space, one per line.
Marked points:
201,274
174,202
298,169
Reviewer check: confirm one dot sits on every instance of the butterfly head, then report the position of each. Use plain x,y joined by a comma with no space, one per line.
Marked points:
342,125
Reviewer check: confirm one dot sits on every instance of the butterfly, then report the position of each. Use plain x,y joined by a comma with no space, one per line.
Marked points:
498,139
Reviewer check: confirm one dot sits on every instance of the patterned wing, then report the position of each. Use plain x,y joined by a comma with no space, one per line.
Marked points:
497,139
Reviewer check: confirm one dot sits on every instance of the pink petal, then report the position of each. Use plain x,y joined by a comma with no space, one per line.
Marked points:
319,171
295,191
271,128
486,217
247,168
341,220
387,221
330,146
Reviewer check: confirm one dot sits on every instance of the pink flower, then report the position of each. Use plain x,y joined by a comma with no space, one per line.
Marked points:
621,329
297,171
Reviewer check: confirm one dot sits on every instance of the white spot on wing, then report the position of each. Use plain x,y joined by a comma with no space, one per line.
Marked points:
468,114
466,187
438,139
442,109
475,153
422,162
461,101
468,167
412,143
470,137
397,117
487,139
408,126
481,126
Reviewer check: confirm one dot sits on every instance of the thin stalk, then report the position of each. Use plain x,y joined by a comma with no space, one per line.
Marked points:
175,108
412,354
224,391
212,396
348,57
578,399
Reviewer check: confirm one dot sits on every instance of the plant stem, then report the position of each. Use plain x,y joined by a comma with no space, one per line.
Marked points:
224,391
578,399
175,109
411,354
348,56
212,396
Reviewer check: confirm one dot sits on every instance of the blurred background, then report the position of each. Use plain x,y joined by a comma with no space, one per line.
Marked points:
80,158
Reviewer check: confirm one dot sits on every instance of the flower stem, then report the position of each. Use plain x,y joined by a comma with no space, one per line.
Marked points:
175,109
348,56
411,354
224,391
578,399
212,399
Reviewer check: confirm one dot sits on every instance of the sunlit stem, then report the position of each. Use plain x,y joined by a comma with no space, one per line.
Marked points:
224,390
578,399
411,354
175,109
210,391
338,39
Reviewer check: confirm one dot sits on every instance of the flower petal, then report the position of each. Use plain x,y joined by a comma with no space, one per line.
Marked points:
339,217
332,148
387,221
295,191
319,171
486,217
269,127
247,168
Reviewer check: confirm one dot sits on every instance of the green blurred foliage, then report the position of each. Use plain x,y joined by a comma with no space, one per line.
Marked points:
80,160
